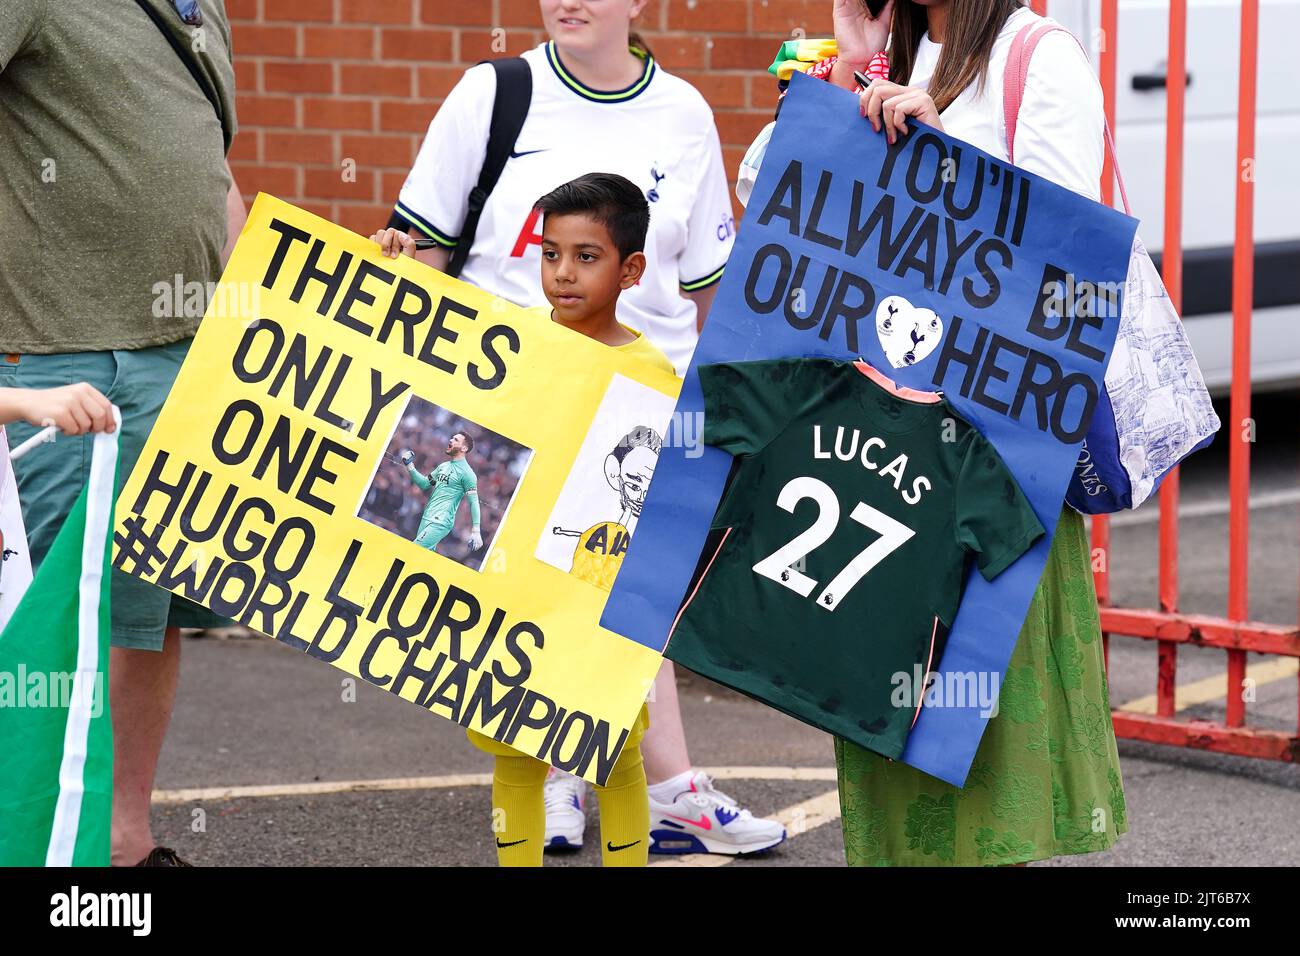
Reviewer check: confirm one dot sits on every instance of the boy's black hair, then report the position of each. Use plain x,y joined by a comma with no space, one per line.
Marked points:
611,200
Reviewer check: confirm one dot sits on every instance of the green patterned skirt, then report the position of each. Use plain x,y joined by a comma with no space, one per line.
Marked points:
1045,781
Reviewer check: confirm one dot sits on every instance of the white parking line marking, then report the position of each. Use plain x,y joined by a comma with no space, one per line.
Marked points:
197,794
1214,688
444,782
1149,514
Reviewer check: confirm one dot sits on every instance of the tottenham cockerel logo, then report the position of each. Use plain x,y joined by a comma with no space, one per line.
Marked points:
907,334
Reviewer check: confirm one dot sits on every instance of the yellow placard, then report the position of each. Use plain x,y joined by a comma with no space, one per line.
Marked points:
274,487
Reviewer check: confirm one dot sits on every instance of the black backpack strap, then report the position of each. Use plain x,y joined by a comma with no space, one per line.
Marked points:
189,65
509,110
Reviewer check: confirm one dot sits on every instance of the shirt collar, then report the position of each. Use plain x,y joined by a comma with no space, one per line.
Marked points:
601,96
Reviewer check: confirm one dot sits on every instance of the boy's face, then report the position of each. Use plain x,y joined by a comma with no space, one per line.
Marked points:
582,274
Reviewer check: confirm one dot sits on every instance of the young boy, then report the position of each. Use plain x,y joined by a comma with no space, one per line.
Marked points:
593,237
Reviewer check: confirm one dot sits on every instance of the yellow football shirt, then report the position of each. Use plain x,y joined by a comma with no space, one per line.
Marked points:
599,554
641,348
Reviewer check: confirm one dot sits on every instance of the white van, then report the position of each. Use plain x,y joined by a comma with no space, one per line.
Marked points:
1209,165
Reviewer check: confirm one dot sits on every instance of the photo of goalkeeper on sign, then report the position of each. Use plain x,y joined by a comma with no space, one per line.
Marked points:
445,483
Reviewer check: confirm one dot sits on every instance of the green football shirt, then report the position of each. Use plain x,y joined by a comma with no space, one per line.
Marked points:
848,524
450,481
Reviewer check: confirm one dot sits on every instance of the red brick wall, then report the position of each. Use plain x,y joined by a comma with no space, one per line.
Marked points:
321,81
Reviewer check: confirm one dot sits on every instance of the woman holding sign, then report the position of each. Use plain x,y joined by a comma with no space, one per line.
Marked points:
591,98
1045,780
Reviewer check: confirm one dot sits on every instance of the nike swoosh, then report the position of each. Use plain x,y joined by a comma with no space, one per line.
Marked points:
614,849
502,846
702,822
528,152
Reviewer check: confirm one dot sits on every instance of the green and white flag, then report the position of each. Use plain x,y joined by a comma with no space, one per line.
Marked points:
56,737
15,564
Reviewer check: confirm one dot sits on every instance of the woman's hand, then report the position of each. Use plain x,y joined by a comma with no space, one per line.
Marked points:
394,242
888,105
858,35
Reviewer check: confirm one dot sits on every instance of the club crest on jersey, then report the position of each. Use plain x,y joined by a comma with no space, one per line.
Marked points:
907,334
653,194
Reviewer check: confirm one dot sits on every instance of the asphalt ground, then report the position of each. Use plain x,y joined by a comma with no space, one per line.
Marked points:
267,763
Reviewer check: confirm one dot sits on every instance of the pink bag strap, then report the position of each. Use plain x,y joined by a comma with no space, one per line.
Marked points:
1013,91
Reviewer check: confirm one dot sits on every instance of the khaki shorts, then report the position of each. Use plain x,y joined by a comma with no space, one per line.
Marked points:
51,477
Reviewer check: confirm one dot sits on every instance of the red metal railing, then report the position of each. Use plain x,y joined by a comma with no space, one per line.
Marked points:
1235,633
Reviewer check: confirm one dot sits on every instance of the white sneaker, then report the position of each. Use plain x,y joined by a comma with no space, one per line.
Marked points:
564,795
705,820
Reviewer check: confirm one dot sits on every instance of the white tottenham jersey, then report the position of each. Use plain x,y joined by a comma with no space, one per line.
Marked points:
658,132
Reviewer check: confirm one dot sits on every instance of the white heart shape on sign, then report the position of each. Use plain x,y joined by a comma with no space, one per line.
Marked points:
907,334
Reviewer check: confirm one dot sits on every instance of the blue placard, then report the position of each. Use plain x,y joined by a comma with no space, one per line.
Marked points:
1026,278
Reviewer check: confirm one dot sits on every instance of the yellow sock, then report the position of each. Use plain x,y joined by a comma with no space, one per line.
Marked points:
625,806
625,812
519,809
518,813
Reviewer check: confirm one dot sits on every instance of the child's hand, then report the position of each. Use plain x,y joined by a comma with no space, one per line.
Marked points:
74,409
394,242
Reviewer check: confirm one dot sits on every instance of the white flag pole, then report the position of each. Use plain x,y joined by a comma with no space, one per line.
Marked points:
40,438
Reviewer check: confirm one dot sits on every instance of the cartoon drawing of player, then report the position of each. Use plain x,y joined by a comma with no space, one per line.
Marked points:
628,468
451,481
